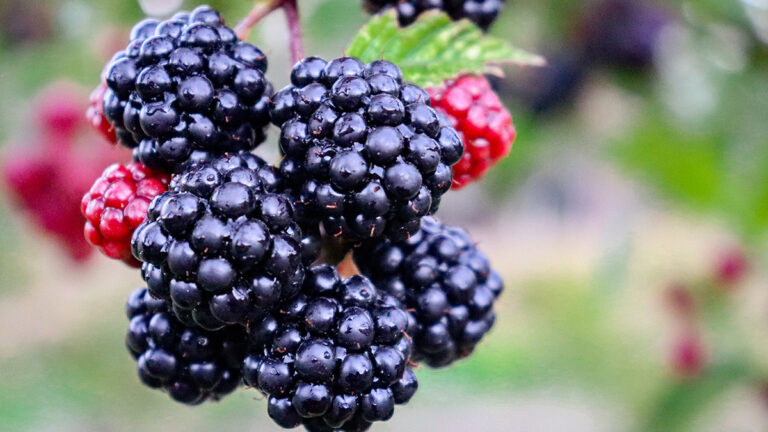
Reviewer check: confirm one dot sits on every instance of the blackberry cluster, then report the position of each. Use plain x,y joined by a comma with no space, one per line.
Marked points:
190,364
481,12
442,277
334,358
222,245
116,204
364,152
186,85
229,245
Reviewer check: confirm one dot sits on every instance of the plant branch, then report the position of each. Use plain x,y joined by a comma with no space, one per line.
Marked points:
294,30
259,11
262,9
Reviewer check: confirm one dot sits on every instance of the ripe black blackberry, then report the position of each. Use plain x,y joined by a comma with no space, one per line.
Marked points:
334,358
447,283
364,152
190,364
481,12
186,85
222,246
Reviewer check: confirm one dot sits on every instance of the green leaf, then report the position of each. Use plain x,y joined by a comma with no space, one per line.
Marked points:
434,48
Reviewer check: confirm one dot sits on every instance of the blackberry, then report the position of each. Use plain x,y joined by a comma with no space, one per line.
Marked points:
549,88
116,204
334,358
364,152
483,123
622,33
447,283
481,12
190,364
186,85
222,245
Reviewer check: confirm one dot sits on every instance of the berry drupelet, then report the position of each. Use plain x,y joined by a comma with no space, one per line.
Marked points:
222,246
447,283
483,123
481,12
117,204
364,152
190,364
334,358
186,85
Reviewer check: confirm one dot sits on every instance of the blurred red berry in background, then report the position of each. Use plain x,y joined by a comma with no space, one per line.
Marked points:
58,110
47,174
681,301
688,355
731,267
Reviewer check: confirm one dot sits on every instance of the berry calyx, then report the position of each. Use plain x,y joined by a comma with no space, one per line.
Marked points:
117,204
483,123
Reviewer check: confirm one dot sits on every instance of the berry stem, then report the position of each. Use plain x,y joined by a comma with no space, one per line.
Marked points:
291,10
259,11
334,251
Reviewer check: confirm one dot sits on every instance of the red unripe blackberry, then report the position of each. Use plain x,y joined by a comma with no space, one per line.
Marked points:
483,123
116,204
95,114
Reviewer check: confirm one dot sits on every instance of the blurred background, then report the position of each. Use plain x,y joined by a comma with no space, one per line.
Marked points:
629,223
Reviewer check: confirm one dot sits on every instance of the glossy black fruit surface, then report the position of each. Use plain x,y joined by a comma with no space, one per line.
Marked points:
445,282
222,245
190,364
334,358
186,85
365,154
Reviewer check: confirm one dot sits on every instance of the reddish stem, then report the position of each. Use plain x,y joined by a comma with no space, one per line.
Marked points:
294,30
259,11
